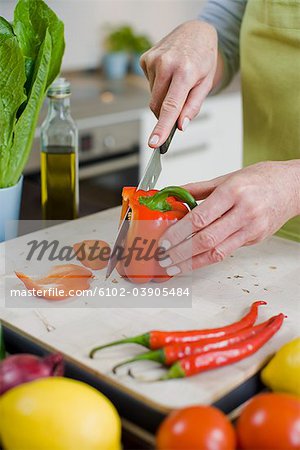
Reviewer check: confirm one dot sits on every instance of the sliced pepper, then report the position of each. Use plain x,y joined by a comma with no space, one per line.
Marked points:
152,212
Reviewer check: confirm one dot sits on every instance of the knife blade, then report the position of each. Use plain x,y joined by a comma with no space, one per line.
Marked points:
148,181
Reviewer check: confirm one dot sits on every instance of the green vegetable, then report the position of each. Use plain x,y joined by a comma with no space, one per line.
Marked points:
6,30
120,39
31,51
158,201
124,39
32,20
12,80
141,44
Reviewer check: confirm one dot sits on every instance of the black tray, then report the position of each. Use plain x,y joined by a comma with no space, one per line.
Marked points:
131,409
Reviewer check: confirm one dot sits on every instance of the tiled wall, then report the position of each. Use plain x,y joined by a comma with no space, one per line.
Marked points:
85,21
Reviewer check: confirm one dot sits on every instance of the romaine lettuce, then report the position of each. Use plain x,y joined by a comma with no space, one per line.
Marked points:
31,51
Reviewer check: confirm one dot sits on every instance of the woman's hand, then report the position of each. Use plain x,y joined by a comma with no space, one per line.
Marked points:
241,208
181,69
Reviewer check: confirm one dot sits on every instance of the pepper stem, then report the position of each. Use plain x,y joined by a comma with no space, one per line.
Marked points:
142,339
155,355
175,371
158,201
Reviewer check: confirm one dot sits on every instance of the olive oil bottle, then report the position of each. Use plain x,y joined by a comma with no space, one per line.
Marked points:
59,156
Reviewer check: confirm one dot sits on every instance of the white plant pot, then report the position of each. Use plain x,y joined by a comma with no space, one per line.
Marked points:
10,201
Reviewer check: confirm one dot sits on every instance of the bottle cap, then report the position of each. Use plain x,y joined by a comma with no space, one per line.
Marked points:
60,88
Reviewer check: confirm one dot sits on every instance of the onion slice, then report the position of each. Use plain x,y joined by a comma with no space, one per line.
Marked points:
60,283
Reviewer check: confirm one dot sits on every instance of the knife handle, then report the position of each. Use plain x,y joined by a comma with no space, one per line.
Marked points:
165,146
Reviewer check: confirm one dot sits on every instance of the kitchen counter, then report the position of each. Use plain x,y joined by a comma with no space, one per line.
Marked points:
221,294
93,95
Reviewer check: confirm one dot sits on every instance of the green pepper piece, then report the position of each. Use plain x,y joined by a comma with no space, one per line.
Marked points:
158,201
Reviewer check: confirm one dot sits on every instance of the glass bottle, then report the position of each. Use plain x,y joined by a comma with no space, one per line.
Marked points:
59,156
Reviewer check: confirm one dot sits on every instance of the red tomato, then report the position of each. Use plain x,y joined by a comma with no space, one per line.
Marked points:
270,422
196,428
93,254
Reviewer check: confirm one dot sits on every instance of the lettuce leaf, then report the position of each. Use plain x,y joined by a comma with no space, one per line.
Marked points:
12,96
6,30
31,51
32,18
25,126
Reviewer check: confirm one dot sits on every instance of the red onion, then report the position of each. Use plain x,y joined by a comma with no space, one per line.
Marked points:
18,369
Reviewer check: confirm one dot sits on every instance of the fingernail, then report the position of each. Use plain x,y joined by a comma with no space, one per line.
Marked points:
154,139
165,262
174,270
185,123
165,244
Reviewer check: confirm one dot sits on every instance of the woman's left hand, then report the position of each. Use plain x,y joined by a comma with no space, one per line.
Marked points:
240,208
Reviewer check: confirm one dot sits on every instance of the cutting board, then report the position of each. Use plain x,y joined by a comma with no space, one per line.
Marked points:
221,294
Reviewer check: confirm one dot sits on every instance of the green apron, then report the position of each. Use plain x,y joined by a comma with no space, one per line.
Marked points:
270,69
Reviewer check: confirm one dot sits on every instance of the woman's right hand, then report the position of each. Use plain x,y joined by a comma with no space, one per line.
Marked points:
182,69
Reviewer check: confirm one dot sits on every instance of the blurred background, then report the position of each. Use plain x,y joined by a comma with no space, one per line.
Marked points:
86,21
110,97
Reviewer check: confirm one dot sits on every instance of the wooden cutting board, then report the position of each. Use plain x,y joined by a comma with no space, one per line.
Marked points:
221,294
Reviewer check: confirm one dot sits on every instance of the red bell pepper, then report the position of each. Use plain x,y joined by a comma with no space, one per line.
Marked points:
152,212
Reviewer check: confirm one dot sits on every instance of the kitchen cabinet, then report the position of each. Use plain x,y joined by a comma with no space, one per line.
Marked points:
211,146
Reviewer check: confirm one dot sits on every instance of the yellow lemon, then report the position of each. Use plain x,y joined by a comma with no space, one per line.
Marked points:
58,414
283,371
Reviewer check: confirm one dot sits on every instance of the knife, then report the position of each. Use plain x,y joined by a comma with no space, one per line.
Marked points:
148,181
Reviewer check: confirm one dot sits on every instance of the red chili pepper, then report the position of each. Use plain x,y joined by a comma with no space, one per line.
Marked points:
173,352
152,212
158,339
195,364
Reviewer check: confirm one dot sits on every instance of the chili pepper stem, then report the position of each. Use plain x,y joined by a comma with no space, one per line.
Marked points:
142,339
175,371
156,355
